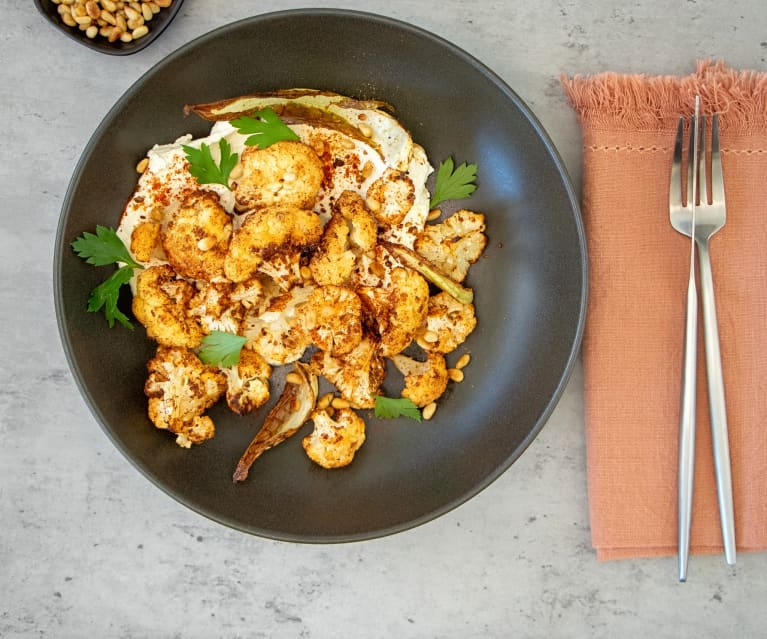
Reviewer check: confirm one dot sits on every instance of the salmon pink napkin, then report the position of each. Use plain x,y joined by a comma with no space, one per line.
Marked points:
632,348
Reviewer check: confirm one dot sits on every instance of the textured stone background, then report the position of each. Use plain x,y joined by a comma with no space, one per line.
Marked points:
89,548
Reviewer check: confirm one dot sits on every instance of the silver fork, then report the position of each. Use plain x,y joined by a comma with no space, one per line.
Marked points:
710,216
682,215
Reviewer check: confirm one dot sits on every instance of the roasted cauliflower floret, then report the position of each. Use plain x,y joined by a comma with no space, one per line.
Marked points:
391,196
196,237
334,440
145,241
455,244
357,375
350,232
333,317
180,389
286,173
424,381
160,304
216,308
448,324
278,333
270,241
247,383
398,309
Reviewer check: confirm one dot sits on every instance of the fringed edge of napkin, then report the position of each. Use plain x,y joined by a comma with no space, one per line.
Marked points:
654,103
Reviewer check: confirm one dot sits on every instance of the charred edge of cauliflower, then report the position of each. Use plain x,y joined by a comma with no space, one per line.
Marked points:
161,304
333,317
247,383
391,196
454,244
196,238
180,389
276,234
357,375
351,231
334,440
448,324
424,381
285,173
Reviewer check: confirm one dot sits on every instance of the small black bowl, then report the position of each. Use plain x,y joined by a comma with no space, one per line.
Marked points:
156,26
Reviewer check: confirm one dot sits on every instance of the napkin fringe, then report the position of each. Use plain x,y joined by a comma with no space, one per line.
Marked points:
655,103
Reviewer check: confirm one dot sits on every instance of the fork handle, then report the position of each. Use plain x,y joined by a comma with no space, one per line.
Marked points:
687,427
716,404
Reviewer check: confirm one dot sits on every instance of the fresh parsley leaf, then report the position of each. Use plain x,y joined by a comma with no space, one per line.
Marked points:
453,183
106,295
203,167
220,348
389,408
264,129
102,248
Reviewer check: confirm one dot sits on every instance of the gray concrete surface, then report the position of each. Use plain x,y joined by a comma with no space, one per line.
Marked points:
88,548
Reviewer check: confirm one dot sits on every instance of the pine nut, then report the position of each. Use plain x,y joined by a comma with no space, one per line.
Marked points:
140,31
365,130
430,337
93,9
142,165
455,374
146,11
206,243
367,170
92,31
324,401
373,205
429,410
109,5
463,361
433,215
339,402
306,273
293,378
236,172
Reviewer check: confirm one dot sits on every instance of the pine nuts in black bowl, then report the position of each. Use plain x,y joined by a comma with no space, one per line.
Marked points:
116,27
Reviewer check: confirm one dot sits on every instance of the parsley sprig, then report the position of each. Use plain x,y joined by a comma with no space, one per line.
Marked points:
100,249
389,408
220,348
453,183
263,129
203,167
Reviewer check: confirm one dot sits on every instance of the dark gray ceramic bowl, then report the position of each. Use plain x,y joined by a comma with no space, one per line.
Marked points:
530,286
157,25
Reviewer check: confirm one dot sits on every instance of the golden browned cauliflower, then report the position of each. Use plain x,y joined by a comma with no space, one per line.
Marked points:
350,232
397,309
196,237
278,333
357,375
333,317
391,196
215,307
448,324
424,381
270,241
180,389
145,241
160,304
455,244
286,173
334,440
247,383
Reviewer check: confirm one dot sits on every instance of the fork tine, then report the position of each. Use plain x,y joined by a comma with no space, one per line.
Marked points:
675,186
699,154
716,178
